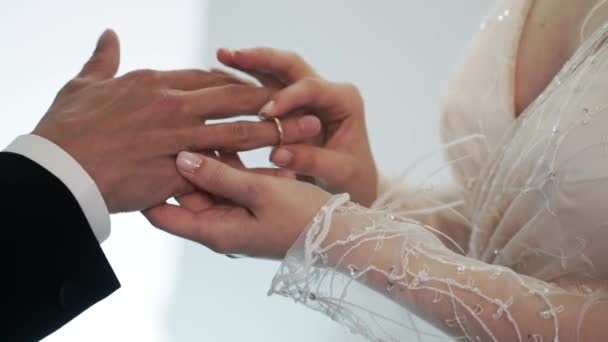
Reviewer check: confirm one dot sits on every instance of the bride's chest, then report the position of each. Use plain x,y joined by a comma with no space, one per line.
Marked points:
539,202
535,188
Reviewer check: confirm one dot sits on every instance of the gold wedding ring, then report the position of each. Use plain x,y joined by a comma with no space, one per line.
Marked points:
279,126
277,122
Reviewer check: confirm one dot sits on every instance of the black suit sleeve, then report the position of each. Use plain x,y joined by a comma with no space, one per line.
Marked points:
52,267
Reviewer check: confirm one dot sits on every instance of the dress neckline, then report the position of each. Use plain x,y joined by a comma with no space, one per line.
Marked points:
515,62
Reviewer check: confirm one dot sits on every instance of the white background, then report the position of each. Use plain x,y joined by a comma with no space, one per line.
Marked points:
398,51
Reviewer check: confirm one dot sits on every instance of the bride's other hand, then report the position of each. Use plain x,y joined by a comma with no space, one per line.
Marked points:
343,161
258,215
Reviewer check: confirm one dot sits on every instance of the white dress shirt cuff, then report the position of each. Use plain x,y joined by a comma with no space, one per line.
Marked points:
72,174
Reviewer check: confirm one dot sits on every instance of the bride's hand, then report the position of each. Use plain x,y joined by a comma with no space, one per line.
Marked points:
256,215
343,161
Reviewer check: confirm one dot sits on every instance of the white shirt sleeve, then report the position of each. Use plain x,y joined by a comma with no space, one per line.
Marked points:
72,174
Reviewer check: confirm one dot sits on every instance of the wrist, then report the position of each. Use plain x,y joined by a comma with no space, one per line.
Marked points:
80,151
63,166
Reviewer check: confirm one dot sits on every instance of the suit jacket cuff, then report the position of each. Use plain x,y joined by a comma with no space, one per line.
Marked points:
63,166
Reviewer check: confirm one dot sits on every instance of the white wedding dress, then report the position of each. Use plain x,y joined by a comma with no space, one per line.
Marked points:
517,250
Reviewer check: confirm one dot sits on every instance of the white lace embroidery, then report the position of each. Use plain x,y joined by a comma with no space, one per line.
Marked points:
516,254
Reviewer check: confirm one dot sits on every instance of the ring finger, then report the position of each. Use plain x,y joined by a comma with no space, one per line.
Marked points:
248,135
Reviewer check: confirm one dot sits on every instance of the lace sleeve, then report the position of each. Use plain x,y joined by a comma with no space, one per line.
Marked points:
439,207
370,271
536,265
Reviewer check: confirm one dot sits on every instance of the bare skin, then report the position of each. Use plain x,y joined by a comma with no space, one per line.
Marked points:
551,35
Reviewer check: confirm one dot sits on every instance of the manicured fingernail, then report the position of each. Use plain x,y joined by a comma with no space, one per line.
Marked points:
309,125
282,157
268,110
189,161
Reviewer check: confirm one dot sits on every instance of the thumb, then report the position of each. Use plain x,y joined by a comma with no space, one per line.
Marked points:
215,177
104,62
332,167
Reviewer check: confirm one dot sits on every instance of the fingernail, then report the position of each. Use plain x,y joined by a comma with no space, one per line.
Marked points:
267,110
282,157
309,125
189,161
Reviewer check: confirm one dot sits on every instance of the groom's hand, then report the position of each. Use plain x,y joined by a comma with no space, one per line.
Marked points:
126,131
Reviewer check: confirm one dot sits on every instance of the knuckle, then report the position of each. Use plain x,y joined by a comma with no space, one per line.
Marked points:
322,91
74,85
312,83
198,73
264,50
232,93
143,76
351,88
226,80
233,90
349,173
190,139
94,62
294,57
206,77
240,132
211,80
170,102
243,98
313,88
266,54
289,61
351,92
